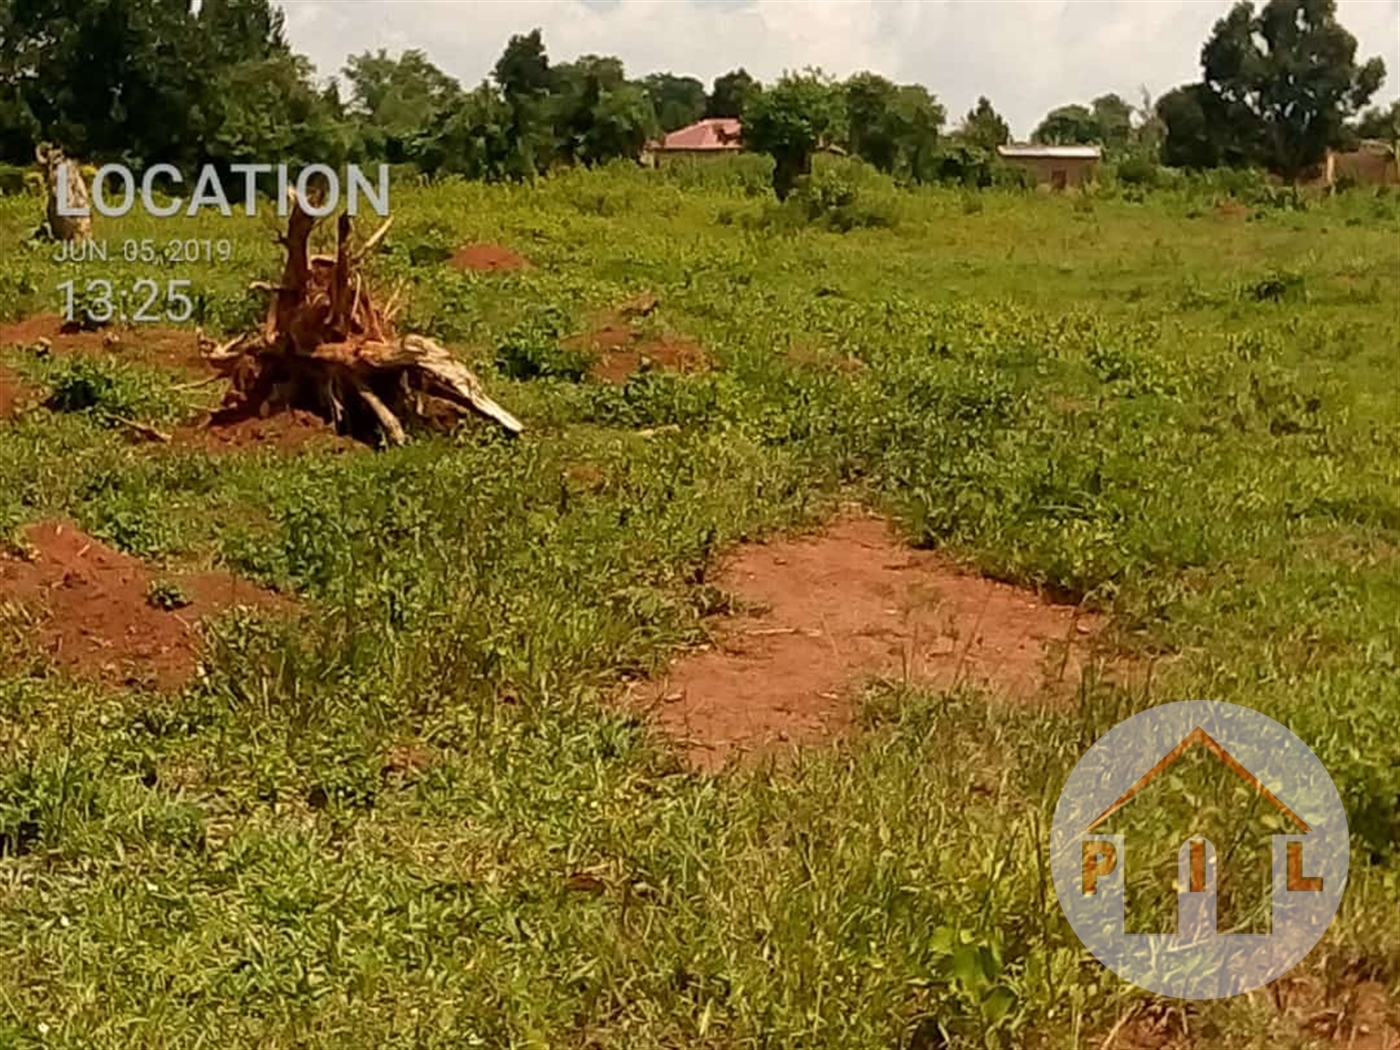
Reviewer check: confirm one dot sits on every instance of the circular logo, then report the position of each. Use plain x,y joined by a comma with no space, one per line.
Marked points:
1199,849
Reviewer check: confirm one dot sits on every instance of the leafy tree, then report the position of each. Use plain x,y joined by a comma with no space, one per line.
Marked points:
984,127
598,115
1067,126
242,30
869,98
471,138
790,121
270,109
1378,123
1191,140
1113,117
1285,79
731,93
678,101
525,79
395,100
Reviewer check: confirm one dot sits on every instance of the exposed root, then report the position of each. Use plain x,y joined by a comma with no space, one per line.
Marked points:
325,347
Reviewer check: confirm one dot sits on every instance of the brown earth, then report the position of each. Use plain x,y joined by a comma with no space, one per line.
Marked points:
832,610
620,351
286,431
146,344
94,614
488,258
13,393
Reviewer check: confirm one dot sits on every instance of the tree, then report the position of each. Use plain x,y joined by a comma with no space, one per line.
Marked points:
731,93
984,128
1378,123
1286,80
471,138
1113,118
1067,126
395,100
598,115
678,101
1190,139
869,98
270,108
790,120
525,80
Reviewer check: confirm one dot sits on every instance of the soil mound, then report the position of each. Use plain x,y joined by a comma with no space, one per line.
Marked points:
488,258
147,344
107,615
834,609
287,431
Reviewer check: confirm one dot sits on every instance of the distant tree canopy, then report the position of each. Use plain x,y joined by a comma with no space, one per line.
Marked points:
730,94
790,120
984,128
1278,87
180,82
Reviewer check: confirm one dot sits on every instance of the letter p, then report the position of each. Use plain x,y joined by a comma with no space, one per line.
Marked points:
1100,858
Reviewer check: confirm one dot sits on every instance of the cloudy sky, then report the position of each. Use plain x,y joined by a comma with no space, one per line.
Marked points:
1026,55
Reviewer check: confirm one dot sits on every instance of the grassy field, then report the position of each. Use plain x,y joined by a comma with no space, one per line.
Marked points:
1182,414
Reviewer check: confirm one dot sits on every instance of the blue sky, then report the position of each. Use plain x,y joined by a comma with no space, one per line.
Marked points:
1026,55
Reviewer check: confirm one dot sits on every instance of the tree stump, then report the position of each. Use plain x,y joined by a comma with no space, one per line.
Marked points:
327,348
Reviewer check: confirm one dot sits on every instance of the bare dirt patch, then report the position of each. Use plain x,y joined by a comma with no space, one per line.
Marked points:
287,431
831,610
146,344
104,614
620,349
13,393
488,258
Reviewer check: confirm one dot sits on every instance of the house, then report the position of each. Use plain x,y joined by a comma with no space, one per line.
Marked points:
1055,166
711,137
1372,163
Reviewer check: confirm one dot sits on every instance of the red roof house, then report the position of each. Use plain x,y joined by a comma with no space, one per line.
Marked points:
713,135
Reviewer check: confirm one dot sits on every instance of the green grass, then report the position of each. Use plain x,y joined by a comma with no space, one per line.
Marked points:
1183,416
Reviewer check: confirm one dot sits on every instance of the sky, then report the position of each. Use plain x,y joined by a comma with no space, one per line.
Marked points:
1027,56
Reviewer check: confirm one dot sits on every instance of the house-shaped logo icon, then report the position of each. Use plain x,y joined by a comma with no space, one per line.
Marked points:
1271,784
1197,881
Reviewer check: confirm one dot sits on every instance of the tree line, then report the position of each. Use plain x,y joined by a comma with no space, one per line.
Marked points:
147,81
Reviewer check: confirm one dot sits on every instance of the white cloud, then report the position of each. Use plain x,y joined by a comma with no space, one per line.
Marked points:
1026,55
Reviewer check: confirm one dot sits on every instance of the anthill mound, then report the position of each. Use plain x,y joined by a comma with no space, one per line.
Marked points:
832,610
619,349
103,614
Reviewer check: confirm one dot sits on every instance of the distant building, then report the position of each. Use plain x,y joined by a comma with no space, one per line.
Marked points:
1372,163
711,137
1055,166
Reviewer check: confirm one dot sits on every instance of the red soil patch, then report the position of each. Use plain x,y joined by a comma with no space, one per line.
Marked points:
488,258
165,347
669,353
95,618
13,393
286,431
841,607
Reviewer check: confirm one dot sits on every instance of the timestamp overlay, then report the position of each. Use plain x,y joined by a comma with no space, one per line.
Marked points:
133,280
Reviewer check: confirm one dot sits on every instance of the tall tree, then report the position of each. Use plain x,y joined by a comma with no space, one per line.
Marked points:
1067,126
790,120
869,98
471,138
1287,78
598,115
731,93
525,80
1191,139
1114,118
678,101
984,127
395,100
